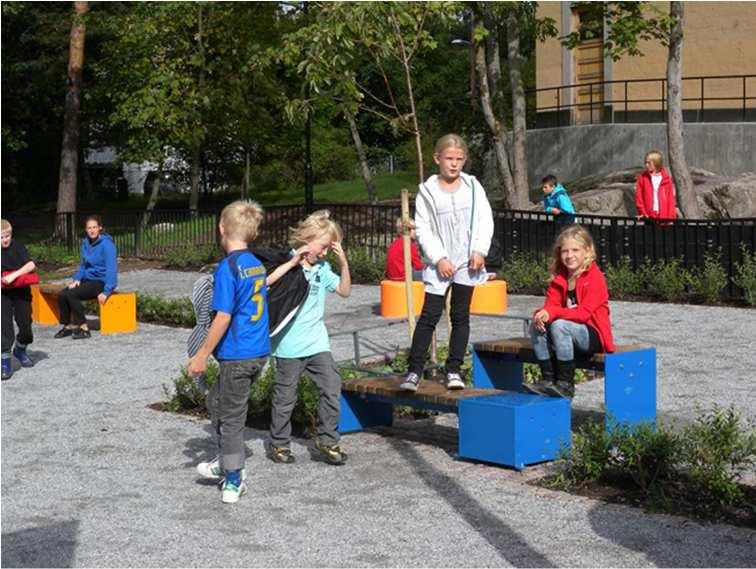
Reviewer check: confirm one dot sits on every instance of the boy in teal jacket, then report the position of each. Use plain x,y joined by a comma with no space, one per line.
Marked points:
556,201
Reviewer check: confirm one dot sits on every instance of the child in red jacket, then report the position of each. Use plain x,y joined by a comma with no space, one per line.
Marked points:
395,254
654,190
575,316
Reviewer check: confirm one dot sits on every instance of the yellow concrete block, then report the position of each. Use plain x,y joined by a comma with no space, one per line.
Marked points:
118,314
394,298
44,307
489,298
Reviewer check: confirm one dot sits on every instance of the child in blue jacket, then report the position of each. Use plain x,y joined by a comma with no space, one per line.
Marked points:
556,201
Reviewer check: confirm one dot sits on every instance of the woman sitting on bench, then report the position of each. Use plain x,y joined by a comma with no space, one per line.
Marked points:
97,277
575,316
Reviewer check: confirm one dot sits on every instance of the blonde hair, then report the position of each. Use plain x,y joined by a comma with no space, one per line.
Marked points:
400,225
656,158
5,225
579,234
241,220
315,225
450,141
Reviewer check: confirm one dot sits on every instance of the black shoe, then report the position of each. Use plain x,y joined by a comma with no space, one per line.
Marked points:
546,382
81,334
561,389
63,332
331,454
280,454
564,386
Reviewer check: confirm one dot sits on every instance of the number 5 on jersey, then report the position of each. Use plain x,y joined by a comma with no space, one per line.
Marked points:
257,298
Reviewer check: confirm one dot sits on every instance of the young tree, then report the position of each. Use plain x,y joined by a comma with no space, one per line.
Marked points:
69,154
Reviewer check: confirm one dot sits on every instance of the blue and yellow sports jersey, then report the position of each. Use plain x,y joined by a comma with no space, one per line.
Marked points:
242,293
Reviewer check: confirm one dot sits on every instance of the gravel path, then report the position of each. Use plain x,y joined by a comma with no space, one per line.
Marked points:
93,477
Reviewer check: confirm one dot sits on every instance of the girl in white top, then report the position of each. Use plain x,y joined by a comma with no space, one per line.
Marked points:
454,229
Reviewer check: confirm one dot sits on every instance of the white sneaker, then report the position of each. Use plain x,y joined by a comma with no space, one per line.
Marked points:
213,469
454,381
231,492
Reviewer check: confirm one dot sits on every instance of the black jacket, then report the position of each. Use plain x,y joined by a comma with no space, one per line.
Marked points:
287,294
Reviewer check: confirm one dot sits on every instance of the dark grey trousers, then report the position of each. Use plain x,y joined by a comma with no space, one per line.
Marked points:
227,403
322,370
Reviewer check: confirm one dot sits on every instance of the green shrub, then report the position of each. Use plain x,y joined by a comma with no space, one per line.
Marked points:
667,279
187,256
365,267
524,273
708,282
717,450
186,394
169,311
745,274
54,254
623,280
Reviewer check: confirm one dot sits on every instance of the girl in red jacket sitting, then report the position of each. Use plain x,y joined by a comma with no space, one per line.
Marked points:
654,190
575,316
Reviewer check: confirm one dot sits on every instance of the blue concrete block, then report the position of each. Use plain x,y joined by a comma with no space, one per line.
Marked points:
496,371
513,429
630,387
359,413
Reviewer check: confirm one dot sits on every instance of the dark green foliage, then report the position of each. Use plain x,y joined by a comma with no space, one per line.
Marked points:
745,275
708,282
696,469
525,274
365,267
52,254
191,256
667,279
172,312
623,280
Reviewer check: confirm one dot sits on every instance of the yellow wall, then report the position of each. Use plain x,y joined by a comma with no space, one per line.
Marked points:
720,39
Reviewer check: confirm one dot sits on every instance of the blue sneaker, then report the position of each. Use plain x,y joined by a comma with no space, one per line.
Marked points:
234,487
23,357
7,368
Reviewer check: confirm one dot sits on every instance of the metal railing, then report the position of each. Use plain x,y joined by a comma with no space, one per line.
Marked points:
372,227
609,110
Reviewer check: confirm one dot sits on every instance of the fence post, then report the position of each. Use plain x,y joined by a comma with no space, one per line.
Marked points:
70,218
138,219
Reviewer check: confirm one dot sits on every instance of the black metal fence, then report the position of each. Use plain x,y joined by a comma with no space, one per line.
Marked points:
372,227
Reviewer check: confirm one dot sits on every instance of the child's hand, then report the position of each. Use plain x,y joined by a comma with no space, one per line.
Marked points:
196,365
445,268
74,284
477,262
555,211
539,320
299,254
101,298
336,248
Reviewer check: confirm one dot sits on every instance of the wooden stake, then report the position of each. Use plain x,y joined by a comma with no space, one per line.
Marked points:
406,244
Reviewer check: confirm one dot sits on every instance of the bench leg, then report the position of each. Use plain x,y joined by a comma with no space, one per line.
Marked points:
118,314
496,371
358,413
513,429
630,387
44,307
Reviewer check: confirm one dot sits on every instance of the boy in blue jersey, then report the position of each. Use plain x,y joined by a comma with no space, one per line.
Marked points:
303,346
238,339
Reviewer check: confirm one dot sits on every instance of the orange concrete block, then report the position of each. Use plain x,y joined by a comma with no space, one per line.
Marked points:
394,299
489,298
118,314
44,307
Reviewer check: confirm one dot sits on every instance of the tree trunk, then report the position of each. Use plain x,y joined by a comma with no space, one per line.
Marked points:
499,137
686,194
364,168
69,153
196,174
245,191
519,111
153,196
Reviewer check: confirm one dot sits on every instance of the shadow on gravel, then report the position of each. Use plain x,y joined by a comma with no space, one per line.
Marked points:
667,541
510,545
47,546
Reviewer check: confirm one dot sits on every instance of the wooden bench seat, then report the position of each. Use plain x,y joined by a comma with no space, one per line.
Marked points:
117,315
496,426
629,375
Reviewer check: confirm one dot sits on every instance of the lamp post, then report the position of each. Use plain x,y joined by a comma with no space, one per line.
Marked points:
459,42
309,197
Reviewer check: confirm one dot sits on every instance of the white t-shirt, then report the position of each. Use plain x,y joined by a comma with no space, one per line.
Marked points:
656,182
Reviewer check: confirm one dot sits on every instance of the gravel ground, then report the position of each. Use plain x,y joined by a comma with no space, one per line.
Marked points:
93,477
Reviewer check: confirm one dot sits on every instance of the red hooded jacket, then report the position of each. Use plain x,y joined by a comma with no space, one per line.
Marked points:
644,196
395,259
592,299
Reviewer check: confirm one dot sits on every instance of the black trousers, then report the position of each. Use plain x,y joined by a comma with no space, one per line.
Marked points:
17,305
69,301
461,296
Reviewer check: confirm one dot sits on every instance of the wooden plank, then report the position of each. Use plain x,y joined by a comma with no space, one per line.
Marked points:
51,288
429,391
522,348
